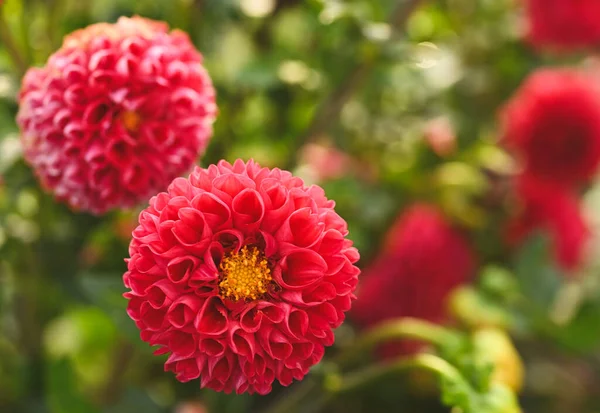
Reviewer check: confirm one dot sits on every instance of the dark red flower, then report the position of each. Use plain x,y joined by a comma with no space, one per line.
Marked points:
553,125
423,260
116,114
240,273
563,24
554,211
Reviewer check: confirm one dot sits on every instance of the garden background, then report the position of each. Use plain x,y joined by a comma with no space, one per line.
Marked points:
384,104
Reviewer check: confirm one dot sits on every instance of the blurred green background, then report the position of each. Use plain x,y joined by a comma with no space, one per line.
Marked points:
375,79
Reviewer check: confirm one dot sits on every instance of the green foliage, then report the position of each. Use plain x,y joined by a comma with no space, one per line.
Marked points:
66,342
63,394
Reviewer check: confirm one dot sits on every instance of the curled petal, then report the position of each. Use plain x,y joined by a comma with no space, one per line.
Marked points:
191,230
184,311
275,344
301,269
250,320
213,347
296,323
216,213
212,319
227,186
248,210
152,318
161,294
187,369
302,229
180,269
182,345
242,343
272,312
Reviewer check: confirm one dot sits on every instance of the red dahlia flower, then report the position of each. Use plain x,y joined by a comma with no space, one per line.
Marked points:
240,273
116,114
563,24
424,259
553,124
552,210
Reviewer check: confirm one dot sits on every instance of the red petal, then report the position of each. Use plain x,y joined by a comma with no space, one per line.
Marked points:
248,210
212,319
300,269
180,269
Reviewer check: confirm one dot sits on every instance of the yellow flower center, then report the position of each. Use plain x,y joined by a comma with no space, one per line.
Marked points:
245,274
131,120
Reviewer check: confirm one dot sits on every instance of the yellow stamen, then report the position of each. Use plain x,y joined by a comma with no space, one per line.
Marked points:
245,274
131,120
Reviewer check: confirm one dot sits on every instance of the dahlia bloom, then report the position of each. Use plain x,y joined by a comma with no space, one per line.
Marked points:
553,125
563,24
554,211
240,273
423,260
116,114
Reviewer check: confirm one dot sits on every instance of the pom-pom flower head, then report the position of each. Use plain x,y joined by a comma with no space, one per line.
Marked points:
423,260
563,24
241,273
116,114
553,125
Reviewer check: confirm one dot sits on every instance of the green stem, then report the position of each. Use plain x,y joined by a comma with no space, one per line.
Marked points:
53,10
7,40
25,24
423,361
404,328
114,384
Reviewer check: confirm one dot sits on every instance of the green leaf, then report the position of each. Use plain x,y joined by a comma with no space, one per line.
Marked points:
106,292
536,272
582,334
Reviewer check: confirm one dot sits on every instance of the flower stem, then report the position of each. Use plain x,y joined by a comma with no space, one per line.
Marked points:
7,40
422,361
404,328
112,388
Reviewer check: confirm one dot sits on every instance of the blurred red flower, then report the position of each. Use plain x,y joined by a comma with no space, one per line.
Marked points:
553,124
241,273
116,114
563,24
325,162
423,260
555,211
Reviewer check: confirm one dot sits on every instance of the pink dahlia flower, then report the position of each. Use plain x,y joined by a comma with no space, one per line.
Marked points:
424,259
240,273
116,114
